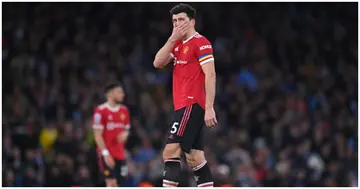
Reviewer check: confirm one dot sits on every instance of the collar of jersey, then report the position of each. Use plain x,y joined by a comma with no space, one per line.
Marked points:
113,109
188,39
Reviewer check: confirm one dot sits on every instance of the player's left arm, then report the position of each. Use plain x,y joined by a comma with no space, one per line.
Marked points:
210,83
125,134
206,59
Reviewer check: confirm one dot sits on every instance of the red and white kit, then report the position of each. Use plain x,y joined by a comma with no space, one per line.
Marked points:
188,77
113,121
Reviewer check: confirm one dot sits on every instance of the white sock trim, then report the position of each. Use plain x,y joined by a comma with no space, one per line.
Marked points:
170,186
206,184
199,166
168,183
172,160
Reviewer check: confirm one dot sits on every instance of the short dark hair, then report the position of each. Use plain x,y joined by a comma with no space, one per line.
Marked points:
185,8
111,85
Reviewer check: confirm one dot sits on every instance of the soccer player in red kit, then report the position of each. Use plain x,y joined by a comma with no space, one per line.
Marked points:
193,92
111,124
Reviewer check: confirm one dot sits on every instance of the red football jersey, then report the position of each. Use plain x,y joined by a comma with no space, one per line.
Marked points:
113,121
188,77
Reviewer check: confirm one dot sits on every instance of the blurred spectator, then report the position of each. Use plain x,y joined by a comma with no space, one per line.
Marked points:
286,91
48,136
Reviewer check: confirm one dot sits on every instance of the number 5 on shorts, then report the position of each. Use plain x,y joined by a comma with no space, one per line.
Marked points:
174,127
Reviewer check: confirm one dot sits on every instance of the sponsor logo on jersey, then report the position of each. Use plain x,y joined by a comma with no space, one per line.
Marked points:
112,126
181,62
186,49
205,47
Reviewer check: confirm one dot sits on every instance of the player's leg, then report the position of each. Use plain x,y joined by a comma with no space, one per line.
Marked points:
172,150
196,160
106,171
172,170
121,170
195,157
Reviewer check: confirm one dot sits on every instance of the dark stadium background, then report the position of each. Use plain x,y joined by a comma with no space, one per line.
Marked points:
286,91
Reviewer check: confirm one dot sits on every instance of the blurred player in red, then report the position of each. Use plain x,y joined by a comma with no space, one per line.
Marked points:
111,124
193,92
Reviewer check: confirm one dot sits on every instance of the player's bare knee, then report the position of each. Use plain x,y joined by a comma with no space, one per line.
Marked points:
191,161
195,157
171,151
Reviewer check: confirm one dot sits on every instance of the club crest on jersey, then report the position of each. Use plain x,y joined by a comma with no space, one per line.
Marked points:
122,116
186,49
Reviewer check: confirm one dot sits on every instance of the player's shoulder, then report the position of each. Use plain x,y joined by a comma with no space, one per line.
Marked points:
201,40
124,108
199,37
101,107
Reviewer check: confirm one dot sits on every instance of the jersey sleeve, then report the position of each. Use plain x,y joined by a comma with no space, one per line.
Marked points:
204,51
98,121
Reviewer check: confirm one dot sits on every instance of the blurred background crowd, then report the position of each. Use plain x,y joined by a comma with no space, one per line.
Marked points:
286,91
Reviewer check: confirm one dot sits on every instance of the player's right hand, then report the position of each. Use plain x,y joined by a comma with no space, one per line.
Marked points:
210,118
109,161
179,31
